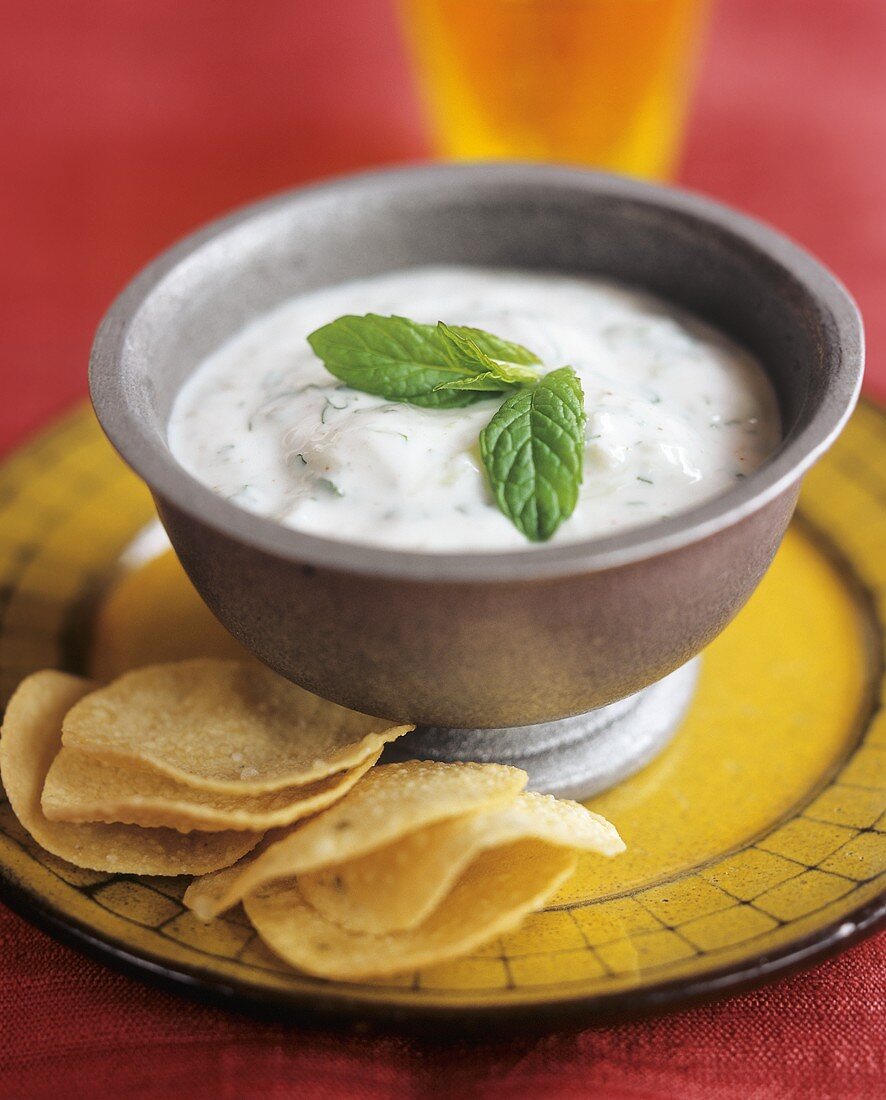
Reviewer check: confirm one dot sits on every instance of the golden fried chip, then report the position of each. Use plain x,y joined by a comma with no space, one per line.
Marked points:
229,726
392,801
492,897
398,886
82,788
32,737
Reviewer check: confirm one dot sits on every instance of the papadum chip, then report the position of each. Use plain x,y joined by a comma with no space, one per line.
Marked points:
233,727
397,887
390,802
31,739
492,897
81,788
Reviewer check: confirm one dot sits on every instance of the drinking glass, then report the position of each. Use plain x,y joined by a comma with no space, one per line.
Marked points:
595,82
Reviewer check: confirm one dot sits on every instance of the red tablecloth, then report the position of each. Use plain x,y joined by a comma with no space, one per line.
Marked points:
127,123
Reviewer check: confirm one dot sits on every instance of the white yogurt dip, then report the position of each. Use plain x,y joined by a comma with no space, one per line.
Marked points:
676,413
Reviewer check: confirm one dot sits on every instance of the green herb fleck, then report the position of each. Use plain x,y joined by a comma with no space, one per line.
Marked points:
327,405
330,486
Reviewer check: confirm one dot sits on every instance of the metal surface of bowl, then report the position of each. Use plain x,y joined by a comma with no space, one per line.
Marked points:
494,639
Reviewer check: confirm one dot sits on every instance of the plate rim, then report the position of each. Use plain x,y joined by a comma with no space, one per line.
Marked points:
343,1011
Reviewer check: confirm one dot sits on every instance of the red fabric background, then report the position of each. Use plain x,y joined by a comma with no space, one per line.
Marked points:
123,124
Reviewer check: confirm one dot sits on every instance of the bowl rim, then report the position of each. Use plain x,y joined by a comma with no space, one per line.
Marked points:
143,451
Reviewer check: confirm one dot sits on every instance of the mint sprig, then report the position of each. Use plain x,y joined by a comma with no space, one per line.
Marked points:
532,448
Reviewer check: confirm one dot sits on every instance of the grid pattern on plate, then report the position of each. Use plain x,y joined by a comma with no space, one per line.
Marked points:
67,509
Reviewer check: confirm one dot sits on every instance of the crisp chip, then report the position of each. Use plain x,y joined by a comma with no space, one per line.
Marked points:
398,886
80,788
492,897
233,727
31,739
390,802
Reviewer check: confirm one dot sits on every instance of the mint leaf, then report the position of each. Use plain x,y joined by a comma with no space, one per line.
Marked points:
495,347
533,450
399,359
463,350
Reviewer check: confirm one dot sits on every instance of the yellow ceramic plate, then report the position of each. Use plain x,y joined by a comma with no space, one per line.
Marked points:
755,842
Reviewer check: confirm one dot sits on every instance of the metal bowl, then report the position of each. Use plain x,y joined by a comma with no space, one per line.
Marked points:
494,639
